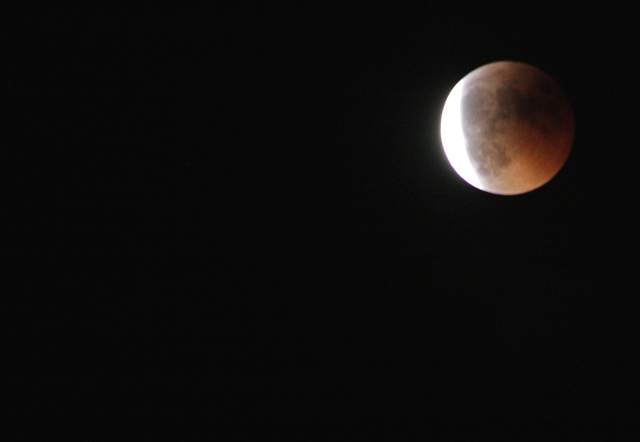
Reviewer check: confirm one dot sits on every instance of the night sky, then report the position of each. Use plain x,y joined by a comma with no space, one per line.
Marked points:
245,216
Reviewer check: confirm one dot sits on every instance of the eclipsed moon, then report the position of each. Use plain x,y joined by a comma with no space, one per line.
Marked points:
507,128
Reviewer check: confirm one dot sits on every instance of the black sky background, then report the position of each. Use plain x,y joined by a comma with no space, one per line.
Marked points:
241,215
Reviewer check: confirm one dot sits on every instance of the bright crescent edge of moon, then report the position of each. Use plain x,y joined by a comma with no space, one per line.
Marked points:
453,141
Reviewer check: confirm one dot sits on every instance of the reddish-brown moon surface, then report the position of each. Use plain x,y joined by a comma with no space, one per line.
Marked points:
507,128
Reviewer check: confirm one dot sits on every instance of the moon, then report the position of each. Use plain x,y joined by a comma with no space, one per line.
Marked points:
507,128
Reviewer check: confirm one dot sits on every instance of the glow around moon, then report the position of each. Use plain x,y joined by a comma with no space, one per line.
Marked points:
507,128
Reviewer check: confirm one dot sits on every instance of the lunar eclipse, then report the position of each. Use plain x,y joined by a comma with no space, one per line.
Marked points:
507,128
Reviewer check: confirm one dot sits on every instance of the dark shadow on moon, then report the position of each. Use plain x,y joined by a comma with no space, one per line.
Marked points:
488,113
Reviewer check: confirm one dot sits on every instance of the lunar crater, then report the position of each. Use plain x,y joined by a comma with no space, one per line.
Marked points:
489,157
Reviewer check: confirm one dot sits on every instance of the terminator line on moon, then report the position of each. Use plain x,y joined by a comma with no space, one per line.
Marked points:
507,128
